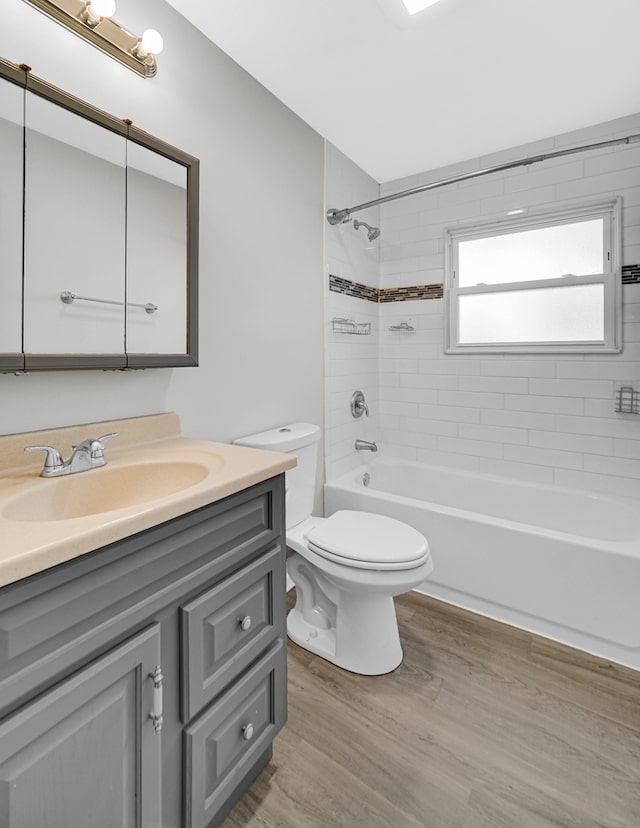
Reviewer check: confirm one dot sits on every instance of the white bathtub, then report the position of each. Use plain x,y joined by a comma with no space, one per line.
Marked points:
558,562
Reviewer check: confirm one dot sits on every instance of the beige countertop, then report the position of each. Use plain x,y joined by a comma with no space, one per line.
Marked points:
46,521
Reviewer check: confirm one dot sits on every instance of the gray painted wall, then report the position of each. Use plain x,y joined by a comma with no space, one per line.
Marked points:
261,230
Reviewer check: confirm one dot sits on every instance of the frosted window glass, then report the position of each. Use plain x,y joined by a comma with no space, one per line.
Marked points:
574,313
543,253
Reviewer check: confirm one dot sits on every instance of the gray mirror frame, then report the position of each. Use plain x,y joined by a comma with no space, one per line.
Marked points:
10,362
17,362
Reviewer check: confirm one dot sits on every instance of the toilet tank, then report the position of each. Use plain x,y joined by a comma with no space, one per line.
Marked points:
302,440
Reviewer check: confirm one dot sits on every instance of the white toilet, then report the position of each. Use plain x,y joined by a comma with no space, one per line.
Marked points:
346,568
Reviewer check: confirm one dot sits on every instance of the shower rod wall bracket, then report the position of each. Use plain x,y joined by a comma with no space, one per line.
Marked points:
337,216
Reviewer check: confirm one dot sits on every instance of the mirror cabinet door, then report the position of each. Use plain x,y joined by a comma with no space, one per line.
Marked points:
156,253
75,209
11,162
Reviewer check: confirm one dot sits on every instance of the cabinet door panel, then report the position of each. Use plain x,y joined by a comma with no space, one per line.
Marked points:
156,252
228,626
224,742
85,754
75,205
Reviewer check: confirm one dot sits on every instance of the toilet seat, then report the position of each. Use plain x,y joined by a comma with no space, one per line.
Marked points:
367,541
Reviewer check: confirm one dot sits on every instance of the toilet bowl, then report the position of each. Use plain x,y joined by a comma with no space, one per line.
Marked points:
346,568
344,608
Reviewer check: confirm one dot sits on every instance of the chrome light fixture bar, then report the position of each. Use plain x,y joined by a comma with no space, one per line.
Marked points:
92,20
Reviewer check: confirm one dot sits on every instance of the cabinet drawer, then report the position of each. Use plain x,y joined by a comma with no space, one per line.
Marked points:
221,745
227,627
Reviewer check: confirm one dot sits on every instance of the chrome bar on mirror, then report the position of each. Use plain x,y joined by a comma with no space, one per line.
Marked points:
68,297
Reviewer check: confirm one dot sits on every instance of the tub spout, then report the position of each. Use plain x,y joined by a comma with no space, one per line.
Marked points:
365,445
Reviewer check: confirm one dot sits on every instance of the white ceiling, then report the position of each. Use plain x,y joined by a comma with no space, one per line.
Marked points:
400,94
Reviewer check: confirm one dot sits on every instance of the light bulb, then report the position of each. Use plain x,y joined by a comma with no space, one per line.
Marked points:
104,8
151,42
97,9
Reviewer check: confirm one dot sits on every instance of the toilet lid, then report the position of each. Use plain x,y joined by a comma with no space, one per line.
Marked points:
368,541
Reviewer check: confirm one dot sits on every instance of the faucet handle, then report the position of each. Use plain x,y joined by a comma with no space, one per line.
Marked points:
53,460
97,446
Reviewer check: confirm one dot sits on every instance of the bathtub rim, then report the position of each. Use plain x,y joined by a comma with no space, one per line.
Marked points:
628,547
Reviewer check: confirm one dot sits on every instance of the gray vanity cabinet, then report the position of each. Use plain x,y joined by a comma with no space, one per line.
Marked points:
203,596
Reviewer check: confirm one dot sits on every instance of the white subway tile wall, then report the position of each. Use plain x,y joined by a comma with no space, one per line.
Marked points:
547,418
533,419
352,362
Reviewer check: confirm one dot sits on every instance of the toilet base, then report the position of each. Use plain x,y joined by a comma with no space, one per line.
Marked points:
323,643
364,639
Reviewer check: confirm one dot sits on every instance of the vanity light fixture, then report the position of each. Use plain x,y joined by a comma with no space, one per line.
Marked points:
92,19
415,6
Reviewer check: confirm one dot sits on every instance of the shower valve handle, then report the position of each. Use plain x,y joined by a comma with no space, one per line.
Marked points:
359,405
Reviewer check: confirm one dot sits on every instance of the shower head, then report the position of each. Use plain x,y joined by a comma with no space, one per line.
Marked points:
372,232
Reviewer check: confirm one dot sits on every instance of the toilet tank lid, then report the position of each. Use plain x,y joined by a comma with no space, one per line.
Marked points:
283,438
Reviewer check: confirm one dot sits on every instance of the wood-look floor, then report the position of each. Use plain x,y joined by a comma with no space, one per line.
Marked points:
481,726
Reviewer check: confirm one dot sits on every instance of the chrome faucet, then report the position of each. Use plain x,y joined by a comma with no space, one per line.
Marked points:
365,445
89,454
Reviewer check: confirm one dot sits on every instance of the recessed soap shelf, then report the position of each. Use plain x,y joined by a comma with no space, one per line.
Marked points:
350,326
627,400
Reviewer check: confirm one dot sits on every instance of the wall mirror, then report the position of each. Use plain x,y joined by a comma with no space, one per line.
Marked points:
98,237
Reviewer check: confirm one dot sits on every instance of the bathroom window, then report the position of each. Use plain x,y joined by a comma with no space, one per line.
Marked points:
548,282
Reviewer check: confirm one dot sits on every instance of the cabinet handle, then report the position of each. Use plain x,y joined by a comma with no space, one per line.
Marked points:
247,732
245,623
156,715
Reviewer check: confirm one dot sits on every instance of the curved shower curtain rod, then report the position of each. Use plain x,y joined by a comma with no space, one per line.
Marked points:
339,216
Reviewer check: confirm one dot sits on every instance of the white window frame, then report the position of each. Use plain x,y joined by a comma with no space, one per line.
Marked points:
610,278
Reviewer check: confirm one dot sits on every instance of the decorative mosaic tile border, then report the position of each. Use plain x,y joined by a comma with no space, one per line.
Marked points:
339,285
404,294
630,274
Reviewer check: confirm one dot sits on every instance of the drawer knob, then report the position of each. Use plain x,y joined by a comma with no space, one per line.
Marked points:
245,623
247,732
